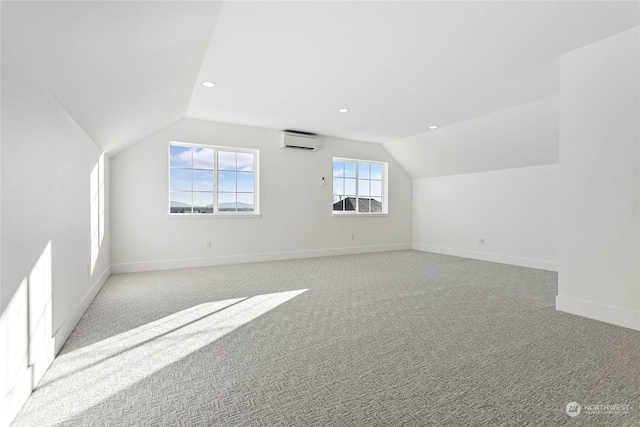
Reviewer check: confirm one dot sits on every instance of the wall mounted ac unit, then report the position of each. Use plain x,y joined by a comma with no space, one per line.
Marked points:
300,140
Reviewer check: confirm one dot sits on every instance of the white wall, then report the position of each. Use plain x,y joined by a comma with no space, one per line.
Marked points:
296,211
514,210
492,177
600,181
46,160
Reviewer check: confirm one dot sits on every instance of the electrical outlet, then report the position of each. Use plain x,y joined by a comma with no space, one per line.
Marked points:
207,244
481,241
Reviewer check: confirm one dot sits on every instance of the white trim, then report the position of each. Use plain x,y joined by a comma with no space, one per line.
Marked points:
172,264
384,181
63,332
214,216
344,214
215,146
492,257
604,313
216,149
16,398
350,159
40,365
20,392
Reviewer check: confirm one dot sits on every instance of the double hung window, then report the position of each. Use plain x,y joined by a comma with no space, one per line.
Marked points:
212,180
359,186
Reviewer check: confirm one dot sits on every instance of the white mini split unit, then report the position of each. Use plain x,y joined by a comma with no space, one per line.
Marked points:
300,140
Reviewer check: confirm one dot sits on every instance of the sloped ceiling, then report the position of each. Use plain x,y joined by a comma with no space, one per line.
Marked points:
124,70
398,66
522,136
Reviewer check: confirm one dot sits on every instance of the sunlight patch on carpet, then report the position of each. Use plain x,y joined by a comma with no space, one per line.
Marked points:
87,376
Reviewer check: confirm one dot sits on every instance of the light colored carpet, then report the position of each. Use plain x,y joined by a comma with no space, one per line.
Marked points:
384,339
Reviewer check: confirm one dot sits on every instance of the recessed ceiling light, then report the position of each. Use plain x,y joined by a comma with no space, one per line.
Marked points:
433,127
343,110
208,84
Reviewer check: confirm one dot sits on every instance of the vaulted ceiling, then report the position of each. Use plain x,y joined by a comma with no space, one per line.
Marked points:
124,70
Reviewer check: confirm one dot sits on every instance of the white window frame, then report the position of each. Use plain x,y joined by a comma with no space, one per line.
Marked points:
217,213
385,187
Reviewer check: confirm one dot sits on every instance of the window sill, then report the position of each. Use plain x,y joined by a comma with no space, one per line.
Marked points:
357,214
214,216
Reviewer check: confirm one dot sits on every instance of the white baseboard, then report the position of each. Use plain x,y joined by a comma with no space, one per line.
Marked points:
45,357
485,256
133,267
17,396
604,313
67,327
